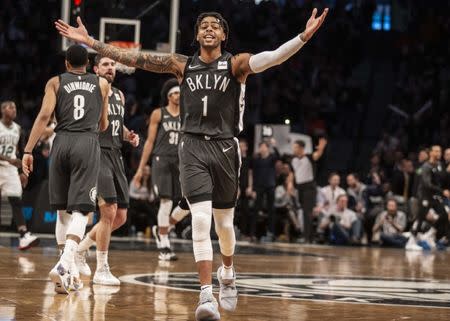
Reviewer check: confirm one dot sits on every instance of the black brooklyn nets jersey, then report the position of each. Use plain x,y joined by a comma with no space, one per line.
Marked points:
212,99
113,136
79,103
168,135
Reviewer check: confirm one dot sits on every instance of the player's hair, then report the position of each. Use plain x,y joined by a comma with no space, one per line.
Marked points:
5,104
300,143
223,23
97,59
77,56
168,85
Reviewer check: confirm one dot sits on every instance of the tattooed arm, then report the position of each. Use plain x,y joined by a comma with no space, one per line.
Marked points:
166,63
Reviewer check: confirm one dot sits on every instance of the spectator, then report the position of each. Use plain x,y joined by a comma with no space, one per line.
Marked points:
245,190
343,224
402,180
264,182
331,192
389,226
356,192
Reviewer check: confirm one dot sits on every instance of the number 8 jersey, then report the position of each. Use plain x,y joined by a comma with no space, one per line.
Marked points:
166,143
79,103
212,99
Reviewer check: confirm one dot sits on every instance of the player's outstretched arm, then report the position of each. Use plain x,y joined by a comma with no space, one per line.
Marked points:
245,64
155,119
42,119
167,63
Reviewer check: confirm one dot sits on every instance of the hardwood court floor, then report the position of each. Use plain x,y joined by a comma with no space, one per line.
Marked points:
276,282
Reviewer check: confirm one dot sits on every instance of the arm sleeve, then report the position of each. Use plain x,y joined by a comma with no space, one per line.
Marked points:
267,59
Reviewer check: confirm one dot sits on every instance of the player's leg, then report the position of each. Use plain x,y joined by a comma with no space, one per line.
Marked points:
83,159
197,185
225,174
179,213
12,188
62,224
163,188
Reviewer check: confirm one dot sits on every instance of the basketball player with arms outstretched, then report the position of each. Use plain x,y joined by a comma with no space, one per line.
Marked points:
212,84
10,179
80,102
112,193
162,144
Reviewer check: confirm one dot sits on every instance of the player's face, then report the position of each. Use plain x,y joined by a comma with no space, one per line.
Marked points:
9,112
174,98
107,69
210,33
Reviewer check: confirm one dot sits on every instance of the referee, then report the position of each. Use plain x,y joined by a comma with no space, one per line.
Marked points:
304,167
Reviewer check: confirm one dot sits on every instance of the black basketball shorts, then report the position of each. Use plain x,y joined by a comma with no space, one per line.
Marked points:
209,170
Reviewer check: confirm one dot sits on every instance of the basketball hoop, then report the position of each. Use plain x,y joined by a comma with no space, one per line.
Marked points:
126,45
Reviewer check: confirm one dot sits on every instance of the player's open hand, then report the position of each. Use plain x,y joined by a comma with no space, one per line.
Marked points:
27,164
79,34
313,24
133,138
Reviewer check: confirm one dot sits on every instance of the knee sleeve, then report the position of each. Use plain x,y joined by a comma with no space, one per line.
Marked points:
201,227
63,220
178,213
78,224
165,207
223,219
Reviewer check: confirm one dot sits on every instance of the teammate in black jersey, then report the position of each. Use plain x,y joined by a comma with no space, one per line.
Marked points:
162,144
112,190
212,105
80,103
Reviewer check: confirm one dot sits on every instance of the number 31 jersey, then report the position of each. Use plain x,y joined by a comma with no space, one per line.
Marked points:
166,143
212,99
78,103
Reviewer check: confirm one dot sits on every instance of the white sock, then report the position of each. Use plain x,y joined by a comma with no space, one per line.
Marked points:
207,288
102,259
165,242
227,272
68,256
86,244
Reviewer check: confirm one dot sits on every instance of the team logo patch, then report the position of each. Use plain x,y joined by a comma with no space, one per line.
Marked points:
93,194
364,290
117,97
222,65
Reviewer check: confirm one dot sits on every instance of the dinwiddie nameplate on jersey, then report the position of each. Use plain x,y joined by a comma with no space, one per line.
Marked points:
222,65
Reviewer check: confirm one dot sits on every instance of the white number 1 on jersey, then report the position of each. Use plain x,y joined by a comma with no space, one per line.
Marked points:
205,106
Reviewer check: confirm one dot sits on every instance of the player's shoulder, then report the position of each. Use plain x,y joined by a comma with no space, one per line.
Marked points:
157,114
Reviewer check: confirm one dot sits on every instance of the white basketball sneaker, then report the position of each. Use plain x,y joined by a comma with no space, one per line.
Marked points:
228,294
27,241
207,309
59,276
103,276
80,261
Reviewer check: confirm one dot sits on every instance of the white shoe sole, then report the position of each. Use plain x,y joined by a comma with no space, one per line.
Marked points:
59,284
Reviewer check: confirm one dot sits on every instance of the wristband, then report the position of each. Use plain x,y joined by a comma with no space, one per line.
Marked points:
29,153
